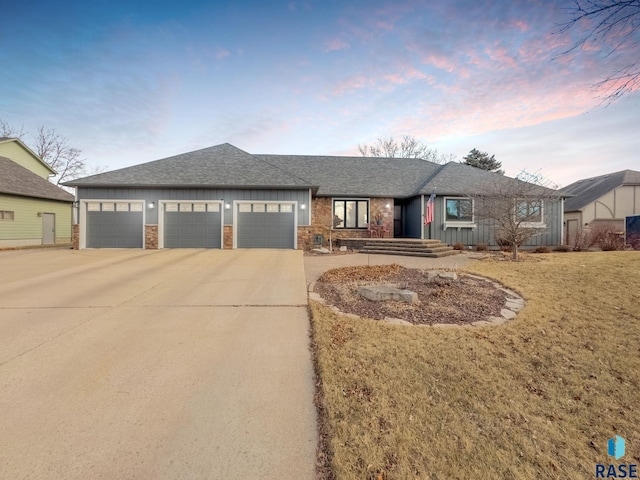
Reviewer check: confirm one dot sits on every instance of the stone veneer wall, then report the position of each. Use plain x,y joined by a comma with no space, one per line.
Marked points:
227,237
322,214
305,237
151,237
75,236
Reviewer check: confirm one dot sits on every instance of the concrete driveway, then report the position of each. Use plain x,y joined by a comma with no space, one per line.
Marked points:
172,364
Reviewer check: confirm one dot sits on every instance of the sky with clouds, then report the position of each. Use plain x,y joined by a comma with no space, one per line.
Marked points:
129,81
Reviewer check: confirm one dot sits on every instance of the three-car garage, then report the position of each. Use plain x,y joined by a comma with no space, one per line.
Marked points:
216,198
188,223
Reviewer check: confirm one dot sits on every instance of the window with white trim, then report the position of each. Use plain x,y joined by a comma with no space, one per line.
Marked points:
529,211
350,213
459,210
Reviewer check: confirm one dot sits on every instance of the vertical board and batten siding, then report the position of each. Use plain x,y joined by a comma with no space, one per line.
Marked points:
228,195
15,152
26,226
483,233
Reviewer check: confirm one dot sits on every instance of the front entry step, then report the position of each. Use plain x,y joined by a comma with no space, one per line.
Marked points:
413,248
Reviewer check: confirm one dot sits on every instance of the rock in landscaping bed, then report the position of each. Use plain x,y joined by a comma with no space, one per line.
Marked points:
446,299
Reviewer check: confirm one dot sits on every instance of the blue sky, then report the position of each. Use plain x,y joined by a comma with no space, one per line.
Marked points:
134,81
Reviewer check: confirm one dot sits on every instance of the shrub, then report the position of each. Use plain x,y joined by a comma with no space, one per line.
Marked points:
458,246
607,237
542,249
481,247
583,240
562,248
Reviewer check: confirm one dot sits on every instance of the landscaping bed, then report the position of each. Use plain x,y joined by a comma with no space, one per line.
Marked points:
460,302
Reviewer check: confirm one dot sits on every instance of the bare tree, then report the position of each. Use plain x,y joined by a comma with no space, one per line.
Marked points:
55,151
7,130
537,178
516,209
407,147
612,25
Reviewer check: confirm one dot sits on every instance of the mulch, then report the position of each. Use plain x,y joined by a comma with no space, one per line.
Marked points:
461,302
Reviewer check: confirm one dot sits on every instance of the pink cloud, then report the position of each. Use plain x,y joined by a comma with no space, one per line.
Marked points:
222,53
335,44
520,25
502,57
385,25
355,82
440,61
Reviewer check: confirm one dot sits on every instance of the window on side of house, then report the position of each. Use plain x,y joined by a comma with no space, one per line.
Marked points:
7,215
529,211
350,213
459,210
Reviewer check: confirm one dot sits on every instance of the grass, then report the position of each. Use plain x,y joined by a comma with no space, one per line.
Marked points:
535,398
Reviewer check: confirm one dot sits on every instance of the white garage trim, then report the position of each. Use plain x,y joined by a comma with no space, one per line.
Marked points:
162,205
294,208
83,215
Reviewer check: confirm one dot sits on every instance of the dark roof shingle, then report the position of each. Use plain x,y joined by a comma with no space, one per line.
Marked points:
588,190
227,166
357,176
220,166
17,180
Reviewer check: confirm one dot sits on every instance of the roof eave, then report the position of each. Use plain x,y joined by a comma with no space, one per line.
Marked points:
189,185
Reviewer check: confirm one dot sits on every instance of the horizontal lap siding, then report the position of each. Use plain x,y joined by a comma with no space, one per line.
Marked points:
228,195
27,225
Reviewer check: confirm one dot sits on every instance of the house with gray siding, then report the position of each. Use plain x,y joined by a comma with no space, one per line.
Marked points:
224,197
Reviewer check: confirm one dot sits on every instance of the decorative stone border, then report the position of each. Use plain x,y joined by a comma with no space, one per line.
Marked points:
513,304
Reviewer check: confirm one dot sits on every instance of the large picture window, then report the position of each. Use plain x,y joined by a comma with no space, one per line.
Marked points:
350,213
459,210
529,211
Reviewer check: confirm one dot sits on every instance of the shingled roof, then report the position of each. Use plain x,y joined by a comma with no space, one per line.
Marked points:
590,189
227,166
220,166
357,176
17,180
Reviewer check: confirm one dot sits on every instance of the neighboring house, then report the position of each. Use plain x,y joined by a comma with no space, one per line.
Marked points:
605,199
33,211
223,197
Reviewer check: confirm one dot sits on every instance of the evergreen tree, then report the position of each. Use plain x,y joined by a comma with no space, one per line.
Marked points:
478,159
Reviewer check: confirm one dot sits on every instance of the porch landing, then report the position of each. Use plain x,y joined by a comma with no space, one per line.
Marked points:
399,246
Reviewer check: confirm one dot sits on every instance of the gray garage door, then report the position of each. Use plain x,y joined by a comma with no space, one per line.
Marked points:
265,225
114,225
192,225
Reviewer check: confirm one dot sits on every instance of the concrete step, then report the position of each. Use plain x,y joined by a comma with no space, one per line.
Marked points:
397,241
412,253
408,248
404,244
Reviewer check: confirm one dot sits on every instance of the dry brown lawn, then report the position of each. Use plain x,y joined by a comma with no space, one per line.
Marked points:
535,398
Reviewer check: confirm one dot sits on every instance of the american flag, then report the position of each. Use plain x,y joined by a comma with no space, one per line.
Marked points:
428,214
